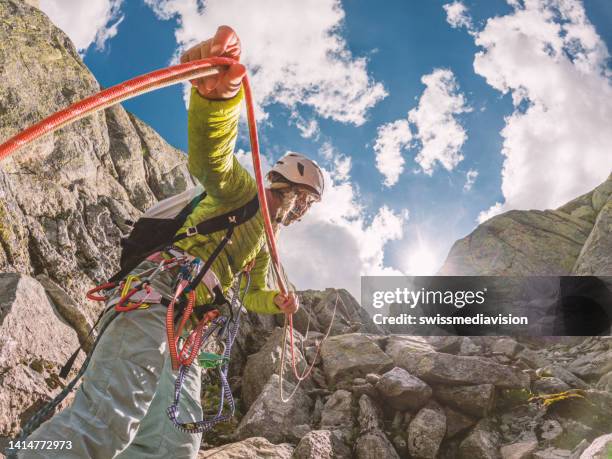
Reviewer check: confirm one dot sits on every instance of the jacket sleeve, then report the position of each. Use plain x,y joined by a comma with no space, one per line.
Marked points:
212,131
260,298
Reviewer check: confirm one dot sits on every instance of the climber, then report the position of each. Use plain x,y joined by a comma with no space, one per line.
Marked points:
120,408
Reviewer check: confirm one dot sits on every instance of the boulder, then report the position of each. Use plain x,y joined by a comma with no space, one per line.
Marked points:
364,389
533,358
349,317
337,412
476,400
443,368
263,364
600,448
563,374
552,453
370,415
321,444
402,391
426,432
605,382
449,344
549,386
374,445
354,355
520,450
34,344
506,346
551,430
270,418
405,350
469,347
251,448
592,365
483,442
456,422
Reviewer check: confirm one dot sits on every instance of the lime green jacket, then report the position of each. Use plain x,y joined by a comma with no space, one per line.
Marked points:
212,130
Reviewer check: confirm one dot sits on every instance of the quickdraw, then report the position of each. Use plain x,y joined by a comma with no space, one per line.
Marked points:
133,286
227,328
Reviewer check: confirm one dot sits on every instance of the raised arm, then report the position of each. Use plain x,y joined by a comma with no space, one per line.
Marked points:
214,109
212,130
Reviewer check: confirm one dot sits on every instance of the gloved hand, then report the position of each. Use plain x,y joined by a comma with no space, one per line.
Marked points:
289,304
225,85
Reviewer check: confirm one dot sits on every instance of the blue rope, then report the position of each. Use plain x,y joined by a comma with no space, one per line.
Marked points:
222,324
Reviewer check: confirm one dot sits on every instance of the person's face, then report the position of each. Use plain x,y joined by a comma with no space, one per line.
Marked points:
297,202
303,200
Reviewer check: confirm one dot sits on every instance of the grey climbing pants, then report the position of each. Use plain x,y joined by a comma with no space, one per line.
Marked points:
119,410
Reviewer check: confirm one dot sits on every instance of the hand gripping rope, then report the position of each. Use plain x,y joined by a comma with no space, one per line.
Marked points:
150,82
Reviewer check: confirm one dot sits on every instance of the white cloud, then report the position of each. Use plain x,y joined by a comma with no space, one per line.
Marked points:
491,212
340,164
470,178
246,159
432,126
342,168
295,52
335,243
550,59
439,133
93,21
327,150
309,129
457,15
391,139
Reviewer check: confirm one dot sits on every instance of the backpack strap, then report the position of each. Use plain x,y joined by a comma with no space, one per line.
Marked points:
183,214
222,222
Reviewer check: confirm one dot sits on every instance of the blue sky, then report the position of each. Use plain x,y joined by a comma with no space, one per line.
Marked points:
501,103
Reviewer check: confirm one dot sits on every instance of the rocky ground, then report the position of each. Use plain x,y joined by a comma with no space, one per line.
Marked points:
371,395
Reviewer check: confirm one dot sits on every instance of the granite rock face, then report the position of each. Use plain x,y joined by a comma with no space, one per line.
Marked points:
63,200
519,242
34,344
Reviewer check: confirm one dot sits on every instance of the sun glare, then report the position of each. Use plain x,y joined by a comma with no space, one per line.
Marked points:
421,261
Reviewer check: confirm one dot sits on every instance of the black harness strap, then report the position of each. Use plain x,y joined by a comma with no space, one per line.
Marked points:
221,222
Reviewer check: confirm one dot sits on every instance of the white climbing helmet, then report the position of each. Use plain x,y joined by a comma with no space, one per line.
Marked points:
298,169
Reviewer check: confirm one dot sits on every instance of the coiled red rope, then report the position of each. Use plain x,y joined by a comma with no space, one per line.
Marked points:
147,83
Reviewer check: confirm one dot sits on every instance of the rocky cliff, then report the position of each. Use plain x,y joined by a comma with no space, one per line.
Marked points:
62,207
576,239
63,201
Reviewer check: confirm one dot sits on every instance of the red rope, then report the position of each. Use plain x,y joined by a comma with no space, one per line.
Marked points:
113,95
